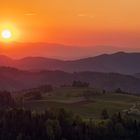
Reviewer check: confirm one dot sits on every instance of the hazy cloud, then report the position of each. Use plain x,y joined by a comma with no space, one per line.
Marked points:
85,15
30,14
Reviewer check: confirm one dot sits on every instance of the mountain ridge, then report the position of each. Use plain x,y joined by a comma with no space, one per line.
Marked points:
119,62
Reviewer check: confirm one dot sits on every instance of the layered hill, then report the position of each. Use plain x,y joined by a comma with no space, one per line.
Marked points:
125,63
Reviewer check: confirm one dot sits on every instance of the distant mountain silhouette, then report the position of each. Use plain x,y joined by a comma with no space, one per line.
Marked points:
120,62
13,79
55,50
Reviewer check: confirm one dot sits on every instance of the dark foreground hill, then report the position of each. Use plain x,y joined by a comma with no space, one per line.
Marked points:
125,63
14,79
59,124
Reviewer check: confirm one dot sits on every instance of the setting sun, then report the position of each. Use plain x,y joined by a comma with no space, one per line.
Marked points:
6,34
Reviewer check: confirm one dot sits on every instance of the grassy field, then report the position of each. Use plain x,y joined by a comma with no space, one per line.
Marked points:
73,100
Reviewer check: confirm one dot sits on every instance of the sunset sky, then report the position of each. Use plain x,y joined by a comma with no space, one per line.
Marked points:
73,22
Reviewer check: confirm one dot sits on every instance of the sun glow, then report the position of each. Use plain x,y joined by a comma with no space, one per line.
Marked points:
8,32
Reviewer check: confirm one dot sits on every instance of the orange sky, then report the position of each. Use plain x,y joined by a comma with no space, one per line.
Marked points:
74,22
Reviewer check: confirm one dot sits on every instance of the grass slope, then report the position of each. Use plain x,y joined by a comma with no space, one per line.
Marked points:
73,100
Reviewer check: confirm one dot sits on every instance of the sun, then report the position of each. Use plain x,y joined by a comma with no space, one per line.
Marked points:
6,34
9,32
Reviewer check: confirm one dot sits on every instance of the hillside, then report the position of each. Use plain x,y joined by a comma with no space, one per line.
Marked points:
72,99
125,63
14,79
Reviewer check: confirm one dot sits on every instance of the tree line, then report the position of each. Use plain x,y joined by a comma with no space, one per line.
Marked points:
21,124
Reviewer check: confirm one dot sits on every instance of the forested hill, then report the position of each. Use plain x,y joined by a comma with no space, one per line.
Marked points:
14,79
20,124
